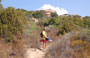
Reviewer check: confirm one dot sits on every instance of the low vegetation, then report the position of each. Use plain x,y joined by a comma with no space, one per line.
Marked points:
81,44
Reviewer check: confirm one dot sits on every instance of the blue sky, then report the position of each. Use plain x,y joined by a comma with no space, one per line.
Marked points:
80,7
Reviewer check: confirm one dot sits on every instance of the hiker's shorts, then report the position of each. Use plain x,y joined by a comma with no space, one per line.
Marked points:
44,41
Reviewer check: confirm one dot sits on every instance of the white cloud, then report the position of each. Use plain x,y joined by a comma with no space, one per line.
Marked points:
60,11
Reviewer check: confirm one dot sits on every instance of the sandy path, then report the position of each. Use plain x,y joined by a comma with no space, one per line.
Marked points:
34,53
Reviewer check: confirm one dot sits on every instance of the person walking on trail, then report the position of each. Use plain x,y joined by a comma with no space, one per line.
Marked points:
44,38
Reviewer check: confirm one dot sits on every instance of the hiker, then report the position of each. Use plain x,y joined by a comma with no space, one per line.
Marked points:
44,38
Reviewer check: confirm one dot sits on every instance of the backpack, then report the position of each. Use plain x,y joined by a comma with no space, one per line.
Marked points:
41,34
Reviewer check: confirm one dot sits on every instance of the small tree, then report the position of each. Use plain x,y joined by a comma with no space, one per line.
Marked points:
54,14
38,14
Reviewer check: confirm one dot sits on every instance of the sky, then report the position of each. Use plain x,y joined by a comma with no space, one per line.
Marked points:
80,7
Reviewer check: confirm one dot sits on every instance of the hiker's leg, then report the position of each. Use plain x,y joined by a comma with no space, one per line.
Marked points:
44,43
43,46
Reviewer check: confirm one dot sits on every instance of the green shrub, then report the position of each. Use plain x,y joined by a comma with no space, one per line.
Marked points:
31,27
38,14
67,24
11,22
84,35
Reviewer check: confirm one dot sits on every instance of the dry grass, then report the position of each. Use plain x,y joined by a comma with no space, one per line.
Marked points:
62,49
8,50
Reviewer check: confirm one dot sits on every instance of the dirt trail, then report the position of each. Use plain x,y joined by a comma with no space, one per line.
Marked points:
64,41
34,53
